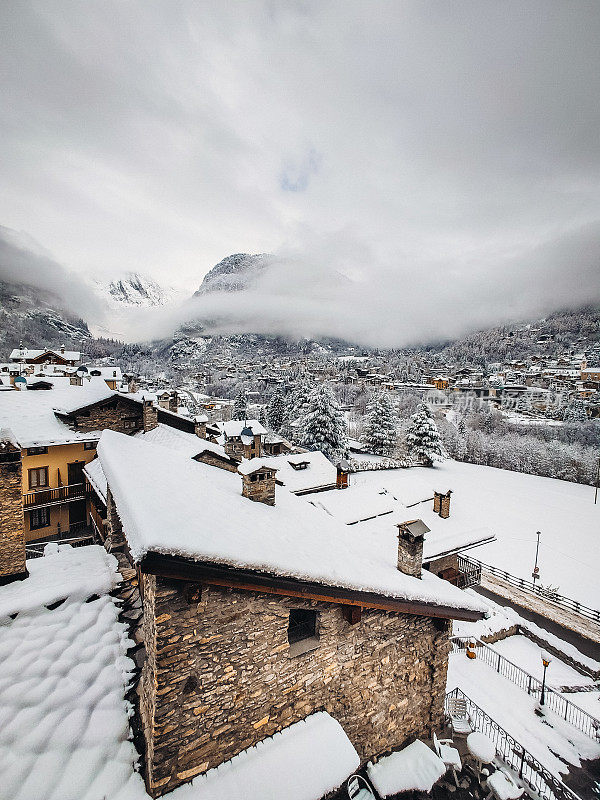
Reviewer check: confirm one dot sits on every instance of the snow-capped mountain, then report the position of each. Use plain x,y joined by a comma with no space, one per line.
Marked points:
234,273
136,290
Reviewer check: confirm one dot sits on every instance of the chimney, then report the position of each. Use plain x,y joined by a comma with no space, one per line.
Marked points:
200,426
132,386
149,415
62,349
257,445
173,402
441,504
258,481
342,471
411,535
12,528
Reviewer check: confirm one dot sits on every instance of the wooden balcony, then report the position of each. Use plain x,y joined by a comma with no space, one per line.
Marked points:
54,497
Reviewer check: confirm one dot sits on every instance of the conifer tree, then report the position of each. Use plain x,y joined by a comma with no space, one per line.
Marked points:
575,411
423,438
323,426
276,410
240,406
381,425
297,405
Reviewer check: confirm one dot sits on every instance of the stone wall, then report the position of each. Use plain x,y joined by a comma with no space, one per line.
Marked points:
210,458
446,562
118,416
259,486
220,676
115,537
410,554
12,530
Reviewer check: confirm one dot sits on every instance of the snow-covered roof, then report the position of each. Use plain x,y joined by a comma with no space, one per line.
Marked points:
172,505
234,427
277,766
248,466
65,674
180,441
319,471
24,353
95,474
31,417
362,503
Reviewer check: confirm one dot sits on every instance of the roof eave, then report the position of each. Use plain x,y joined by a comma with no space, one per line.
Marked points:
179,568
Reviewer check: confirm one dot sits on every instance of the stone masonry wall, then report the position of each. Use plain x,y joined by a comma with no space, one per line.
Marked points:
122,418
410,556
224,677
441,564
12,532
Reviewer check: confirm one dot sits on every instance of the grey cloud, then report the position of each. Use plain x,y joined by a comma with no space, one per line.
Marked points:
433,153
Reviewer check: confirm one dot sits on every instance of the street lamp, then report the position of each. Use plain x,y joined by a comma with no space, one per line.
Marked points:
545,662
536,571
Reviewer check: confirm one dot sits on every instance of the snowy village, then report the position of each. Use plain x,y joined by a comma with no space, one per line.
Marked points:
300,401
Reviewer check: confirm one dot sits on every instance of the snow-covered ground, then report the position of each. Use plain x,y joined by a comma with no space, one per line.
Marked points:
513,505
528,655
64,723
551,740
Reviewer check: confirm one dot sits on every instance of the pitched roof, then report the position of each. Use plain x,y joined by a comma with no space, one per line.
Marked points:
172,505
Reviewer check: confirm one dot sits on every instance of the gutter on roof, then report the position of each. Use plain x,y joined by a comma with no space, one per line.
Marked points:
220,575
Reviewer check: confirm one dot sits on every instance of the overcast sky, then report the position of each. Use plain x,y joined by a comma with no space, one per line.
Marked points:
444,156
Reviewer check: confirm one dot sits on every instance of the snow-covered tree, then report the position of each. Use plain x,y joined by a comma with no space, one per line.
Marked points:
575,411
262,417
240,406
297,404
381,425
276,410
423,438
323,426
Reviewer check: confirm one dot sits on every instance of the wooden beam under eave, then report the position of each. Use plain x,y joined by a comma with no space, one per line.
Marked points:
229,578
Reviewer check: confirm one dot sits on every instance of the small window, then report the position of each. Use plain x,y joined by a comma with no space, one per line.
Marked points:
130,422
89,445
37,451
38,477
39,518
302,625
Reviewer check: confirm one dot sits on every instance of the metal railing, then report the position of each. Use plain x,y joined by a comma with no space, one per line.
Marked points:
36,549
554,701
533,774
469,573
49,497
540,591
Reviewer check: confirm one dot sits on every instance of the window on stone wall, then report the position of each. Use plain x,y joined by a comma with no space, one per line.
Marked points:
302,628
39,518
130,422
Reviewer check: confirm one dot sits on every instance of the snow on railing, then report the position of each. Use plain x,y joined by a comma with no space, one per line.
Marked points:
36,549
386,463
547,594
537,779
554,701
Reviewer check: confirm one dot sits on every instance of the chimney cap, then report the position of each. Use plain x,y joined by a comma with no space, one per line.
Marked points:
248,466
443,494
413,528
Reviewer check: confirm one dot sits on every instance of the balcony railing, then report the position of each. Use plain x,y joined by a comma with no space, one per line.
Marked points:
51,497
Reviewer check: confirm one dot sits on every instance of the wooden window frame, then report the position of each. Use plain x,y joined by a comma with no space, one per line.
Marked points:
38,512
90,445
37,485
37,451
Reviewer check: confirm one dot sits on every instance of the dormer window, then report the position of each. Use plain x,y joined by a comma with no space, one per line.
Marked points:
298,464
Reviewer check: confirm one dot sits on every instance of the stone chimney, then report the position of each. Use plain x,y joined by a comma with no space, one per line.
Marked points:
173,402
200,426
411,535
258,481
441,503
149,415
62,349
12,528
342,473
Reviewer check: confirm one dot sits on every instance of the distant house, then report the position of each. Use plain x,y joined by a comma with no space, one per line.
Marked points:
244,438
256,614
62,356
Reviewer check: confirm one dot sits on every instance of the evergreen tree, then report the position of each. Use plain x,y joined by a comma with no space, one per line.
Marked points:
276,410
381,425
575,411
240,406
323,426
262,417
423,438
297,406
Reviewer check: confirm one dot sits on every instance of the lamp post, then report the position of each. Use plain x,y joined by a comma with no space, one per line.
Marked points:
545,662
536,573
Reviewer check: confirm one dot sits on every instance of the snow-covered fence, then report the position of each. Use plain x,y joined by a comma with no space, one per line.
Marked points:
36,549
547,594
539,782
554,701
386,463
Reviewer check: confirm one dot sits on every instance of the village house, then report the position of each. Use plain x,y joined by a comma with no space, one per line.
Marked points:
244,438
259,609
62,356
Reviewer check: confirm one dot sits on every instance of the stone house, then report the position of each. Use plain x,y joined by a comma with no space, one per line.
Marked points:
256,614
244,438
